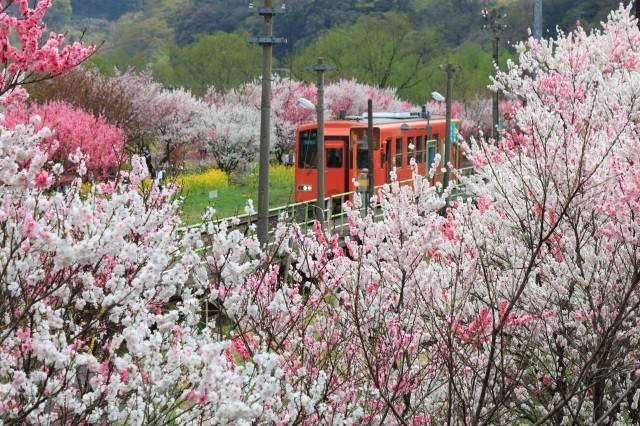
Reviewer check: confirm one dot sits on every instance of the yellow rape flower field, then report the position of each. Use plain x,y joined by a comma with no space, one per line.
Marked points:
212,188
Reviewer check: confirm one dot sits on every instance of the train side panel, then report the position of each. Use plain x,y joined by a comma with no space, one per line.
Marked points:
395,144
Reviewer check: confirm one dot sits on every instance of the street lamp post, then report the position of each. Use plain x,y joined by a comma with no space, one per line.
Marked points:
493,21
450,70
266,41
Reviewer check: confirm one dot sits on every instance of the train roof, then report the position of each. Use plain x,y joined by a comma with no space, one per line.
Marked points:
379,118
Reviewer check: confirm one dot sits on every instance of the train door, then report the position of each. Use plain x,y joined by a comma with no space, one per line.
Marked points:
386,159
336,167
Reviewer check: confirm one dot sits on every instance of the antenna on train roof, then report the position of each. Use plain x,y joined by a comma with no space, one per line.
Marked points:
397,115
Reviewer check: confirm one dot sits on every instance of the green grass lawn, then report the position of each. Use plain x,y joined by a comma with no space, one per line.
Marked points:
231,200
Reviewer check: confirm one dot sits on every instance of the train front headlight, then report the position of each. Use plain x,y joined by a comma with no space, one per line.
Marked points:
304,188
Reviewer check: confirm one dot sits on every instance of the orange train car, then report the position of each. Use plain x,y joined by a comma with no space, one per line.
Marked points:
397,138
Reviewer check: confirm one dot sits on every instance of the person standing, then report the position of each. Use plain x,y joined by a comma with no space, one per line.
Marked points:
160,177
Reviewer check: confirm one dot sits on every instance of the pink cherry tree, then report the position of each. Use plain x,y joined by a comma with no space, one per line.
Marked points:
27,61
352,97
122,99
288,114
159,124
73,129
249,93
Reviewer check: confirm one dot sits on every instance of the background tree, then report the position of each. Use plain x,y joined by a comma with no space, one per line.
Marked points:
383,51
60,14
222,60
179,127
111,9
234,137
194,19
136,42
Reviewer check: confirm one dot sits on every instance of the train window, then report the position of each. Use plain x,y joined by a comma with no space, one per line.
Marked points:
399,152
419,150
410,149
334,158
308,149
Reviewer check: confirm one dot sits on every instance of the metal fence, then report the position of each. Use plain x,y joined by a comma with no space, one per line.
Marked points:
306,213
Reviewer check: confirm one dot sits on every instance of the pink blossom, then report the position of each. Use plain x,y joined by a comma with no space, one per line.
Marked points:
41,179
29,227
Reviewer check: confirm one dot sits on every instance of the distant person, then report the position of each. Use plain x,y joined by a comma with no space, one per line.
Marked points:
160,177
285,159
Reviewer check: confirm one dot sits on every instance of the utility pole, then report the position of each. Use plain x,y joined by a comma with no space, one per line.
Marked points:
370,148
320,68
493,20
537,19
450,70
266,41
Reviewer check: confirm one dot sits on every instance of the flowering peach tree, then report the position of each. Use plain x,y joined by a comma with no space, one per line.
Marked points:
287,114
234,136
23,58
521,304
73,129
92,330
513,299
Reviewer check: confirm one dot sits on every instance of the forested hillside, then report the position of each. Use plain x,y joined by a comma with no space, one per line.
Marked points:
306,18
388,43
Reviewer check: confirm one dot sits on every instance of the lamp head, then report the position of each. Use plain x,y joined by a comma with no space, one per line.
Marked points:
306,103
437,96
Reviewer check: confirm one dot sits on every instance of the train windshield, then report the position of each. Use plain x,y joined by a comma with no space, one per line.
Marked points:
308,149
